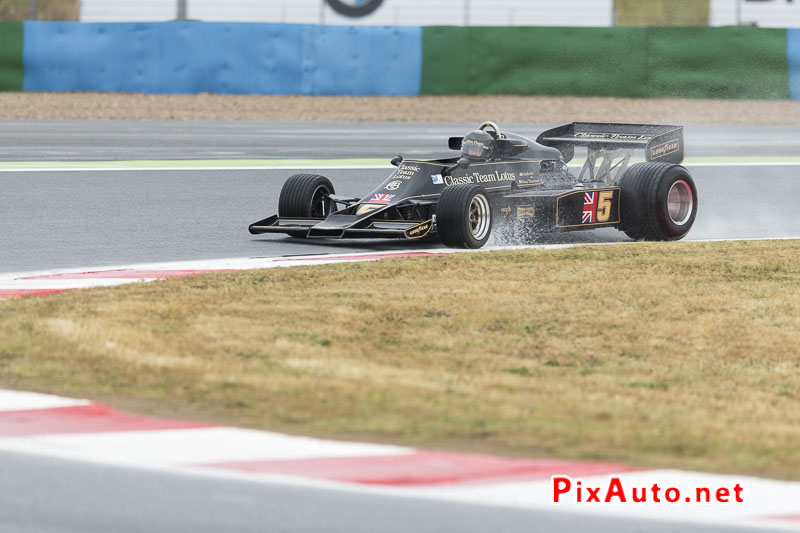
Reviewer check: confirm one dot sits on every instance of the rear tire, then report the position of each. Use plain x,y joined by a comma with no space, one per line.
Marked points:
305,196
464,216
659,202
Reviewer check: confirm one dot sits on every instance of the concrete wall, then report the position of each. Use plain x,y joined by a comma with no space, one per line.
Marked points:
767,14
127,10
391,12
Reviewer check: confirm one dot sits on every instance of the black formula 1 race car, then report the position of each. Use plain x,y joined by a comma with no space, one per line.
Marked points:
501,178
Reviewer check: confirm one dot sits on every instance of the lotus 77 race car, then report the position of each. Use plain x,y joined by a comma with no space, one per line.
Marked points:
501,178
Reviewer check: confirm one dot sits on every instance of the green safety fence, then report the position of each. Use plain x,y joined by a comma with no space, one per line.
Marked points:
12,72
690,62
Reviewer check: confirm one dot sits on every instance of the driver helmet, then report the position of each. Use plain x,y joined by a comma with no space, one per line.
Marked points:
477,145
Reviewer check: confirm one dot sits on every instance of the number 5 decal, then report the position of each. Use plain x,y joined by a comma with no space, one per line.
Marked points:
604,206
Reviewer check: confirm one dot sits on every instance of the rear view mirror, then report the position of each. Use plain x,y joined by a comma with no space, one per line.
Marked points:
396,160
454,143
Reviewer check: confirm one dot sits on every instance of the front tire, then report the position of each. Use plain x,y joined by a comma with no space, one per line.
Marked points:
305,196
464,216
659,202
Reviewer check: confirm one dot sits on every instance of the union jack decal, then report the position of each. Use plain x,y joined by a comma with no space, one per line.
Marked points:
589,207
381,198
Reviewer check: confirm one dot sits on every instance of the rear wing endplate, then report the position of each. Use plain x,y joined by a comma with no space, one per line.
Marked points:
660,143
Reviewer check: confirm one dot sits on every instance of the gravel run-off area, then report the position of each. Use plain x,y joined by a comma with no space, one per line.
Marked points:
127,106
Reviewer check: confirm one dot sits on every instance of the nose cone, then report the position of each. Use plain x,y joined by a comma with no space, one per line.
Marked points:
411,180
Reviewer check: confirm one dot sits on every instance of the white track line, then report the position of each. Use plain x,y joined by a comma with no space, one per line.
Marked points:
349,167
25,401
188,446
195,169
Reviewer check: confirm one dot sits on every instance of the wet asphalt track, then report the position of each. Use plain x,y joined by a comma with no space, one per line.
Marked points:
75,140
72,219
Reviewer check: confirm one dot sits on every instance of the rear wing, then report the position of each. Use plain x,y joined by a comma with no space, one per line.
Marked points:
660,143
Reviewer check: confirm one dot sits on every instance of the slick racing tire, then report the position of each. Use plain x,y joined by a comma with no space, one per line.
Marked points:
464,216
305,196
659,202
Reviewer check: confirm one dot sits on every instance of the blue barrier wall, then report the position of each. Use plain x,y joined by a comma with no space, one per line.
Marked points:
230,58
363,60
189,57
90,57
793,51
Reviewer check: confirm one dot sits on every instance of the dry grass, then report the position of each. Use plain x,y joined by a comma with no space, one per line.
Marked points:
662,12
45,9
673,354
412,108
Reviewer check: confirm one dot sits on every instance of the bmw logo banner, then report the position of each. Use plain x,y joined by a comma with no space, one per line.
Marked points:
354,8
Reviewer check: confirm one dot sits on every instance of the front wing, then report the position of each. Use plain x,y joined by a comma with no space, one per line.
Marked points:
317,228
